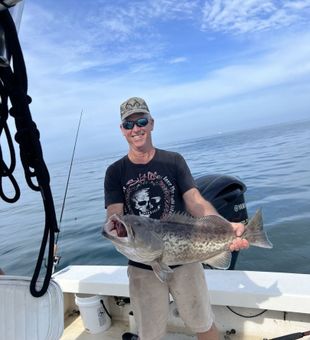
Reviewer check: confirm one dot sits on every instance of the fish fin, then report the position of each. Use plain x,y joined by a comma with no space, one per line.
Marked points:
186,219
255,233
220,261
181,218
161,270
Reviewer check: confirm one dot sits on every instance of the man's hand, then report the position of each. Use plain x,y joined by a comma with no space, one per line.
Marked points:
238,243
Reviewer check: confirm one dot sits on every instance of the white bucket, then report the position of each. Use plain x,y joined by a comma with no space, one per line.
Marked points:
94,316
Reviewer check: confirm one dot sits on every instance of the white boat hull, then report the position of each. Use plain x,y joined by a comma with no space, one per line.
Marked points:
247,305
260,305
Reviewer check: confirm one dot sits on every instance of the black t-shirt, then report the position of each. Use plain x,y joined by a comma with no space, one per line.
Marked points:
154,189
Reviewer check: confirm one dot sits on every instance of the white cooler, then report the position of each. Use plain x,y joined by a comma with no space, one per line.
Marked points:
24,317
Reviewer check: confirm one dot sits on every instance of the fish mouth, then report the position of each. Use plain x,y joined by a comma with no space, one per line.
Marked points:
116,229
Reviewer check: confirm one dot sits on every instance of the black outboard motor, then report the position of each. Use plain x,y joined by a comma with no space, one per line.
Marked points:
226,195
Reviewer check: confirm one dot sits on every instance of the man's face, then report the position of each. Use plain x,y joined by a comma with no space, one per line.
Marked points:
139,136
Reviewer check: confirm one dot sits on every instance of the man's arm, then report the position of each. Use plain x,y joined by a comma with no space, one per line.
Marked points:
197,206
116,208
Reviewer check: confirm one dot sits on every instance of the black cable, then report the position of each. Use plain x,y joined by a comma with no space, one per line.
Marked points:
104,307
247,316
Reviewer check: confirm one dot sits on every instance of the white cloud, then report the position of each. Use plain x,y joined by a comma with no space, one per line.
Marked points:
298,5
220,89
85,60
238,16
172,9
178,60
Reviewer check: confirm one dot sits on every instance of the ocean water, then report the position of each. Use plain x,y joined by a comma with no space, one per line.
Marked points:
273,162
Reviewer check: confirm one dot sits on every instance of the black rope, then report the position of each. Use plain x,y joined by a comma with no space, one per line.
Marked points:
4,4
14,86
7,171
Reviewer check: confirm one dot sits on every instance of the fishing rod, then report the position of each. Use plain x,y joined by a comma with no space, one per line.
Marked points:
57,257
292,336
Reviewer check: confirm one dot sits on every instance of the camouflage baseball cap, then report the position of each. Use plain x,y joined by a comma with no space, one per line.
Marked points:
133,105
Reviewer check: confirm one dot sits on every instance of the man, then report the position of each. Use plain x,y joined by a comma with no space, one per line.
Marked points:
155,183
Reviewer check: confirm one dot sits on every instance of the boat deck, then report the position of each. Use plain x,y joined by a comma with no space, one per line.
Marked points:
74,329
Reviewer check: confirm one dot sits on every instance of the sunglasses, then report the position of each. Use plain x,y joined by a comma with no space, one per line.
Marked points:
129,124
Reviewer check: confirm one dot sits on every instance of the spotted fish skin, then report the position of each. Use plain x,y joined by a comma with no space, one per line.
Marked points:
180,239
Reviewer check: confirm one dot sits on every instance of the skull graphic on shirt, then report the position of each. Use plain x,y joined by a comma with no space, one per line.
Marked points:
144,203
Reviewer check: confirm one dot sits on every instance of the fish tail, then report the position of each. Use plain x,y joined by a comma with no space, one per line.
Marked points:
255,233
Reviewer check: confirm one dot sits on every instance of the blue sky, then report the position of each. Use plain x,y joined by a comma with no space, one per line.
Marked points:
203,67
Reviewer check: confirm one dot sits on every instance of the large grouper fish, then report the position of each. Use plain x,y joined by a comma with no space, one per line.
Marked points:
179,239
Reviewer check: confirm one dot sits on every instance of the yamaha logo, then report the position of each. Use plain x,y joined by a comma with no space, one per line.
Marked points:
238,207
